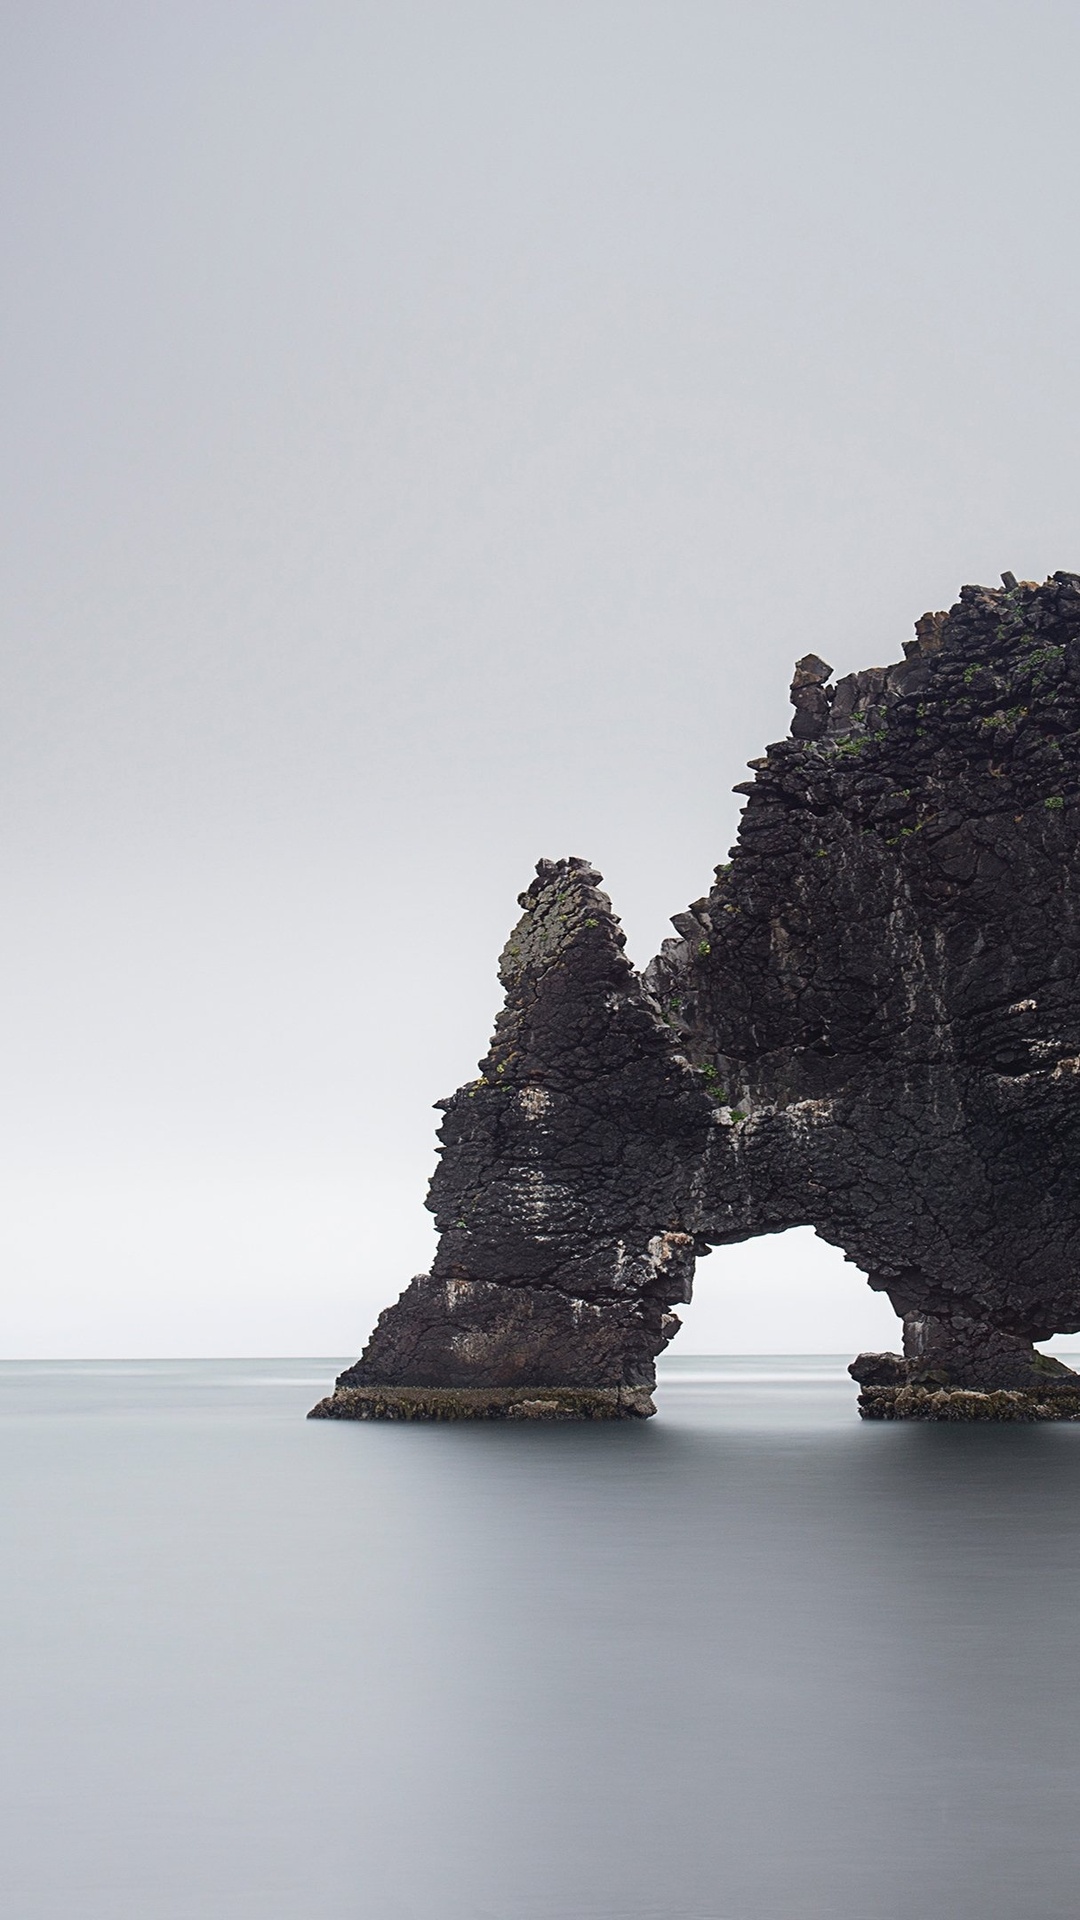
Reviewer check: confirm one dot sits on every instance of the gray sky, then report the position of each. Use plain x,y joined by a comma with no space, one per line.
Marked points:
430,433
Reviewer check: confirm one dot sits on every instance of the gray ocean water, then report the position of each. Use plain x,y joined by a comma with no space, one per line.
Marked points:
749,1661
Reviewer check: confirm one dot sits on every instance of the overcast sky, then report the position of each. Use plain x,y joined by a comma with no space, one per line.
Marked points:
431,430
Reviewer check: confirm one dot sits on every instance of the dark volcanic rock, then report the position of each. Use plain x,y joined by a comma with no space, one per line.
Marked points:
870,1025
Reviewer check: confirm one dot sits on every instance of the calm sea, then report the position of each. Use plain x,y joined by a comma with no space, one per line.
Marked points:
748,1661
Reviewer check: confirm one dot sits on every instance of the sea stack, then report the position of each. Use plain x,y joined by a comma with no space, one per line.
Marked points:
870,1024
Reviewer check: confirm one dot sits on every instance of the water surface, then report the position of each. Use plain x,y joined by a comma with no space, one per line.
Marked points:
748,1661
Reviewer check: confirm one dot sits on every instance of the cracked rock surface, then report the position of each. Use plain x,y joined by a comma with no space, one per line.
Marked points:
870,1024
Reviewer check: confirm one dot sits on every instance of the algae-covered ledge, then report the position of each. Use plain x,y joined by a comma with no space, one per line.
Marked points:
485,1403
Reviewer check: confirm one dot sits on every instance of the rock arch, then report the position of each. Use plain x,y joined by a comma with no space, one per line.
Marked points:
870,1024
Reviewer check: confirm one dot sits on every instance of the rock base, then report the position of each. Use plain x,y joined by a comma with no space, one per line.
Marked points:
966,1403
485,1403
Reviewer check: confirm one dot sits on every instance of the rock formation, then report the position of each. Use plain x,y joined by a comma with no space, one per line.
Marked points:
869,1025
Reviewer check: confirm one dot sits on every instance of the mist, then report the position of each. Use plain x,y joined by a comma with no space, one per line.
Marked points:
431,433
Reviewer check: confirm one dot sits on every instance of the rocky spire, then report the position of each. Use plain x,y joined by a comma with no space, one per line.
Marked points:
561,1190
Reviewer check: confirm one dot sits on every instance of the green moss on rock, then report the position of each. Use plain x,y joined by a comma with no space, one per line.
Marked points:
964,1403
485,1403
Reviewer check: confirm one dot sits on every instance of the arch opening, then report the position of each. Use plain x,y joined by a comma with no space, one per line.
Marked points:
787,1292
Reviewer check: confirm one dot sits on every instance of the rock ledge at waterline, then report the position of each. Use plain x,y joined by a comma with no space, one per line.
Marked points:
870,1025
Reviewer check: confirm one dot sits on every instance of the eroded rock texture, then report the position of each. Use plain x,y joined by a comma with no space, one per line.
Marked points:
870,1024
561,1189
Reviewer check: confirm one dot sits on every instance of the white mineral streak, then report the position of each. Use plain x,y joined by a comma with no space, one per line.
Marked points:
536,1195
810,1113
